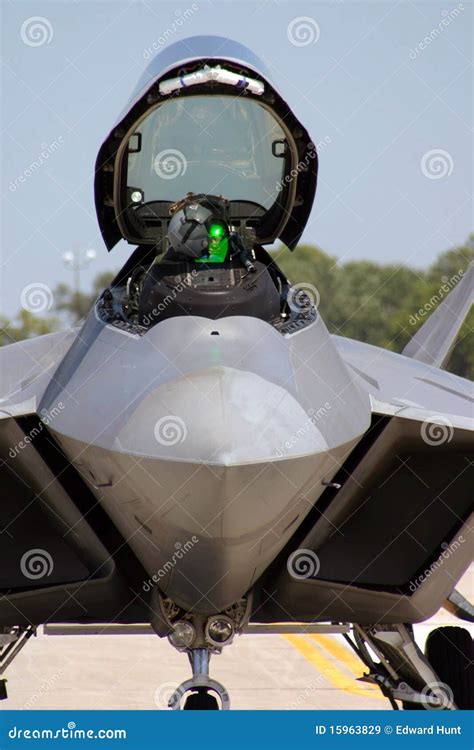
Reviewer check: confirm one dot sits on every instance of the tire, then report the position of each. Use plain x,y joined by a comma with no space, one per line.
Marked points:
450,652
201,700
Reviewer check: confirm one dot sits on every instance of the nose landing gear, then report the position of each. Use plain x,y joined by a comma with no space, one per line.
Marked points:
201,689
199,636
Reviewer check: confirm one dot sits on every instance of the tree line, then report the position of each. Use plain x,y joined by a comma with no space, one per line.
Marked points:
379,303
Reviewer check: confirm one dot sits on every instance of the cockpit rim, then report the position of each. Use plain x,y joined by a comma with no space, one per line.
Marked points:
119,188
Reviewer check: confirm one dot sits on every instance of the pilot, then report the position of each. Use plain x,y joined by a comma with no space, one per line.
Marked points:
198,233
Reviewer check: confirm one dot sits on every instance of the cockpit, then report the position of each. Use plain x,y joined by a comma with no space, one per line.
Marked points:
211,144
210,268
207,144
206,166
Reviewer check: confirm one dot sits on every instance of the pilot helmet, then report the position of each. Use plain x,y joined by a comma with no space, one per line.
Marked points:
195,232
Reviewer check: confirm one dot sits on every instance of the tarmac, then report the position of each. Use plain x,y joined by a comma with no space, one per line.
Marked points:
291,672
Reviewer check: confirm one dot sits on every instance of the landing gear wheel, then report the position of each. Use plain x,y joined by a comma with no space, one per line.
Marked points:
451,654
201,700
198,689
3,690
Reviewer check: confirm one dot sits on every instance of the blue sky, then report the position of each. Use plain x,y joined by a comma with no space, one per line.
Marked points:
386,86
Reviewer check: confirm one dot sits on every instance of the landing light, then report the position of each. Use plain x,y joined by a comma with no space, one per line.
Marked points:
183,635
219,630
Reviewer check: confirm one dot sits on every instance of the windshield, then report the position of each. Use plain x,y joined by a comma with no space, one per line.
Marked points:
219,145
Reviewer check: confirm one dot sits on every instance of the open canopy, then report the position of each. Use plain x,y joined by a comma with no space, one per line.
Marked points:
205,119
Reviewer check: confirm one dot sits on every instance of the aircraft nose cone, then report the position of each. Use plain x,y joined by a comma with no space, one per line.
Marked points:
220,415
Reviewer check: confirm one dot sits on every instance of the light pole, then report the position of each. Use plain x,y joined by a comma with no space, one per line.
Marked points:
77,261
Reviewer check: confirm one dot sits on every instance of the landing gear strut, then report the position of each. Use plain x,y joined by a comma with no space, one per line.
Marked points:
12,640
200,687
399,668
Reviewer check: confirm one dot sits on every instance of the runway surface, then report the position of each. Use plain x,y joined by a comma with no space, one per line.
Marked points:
140,672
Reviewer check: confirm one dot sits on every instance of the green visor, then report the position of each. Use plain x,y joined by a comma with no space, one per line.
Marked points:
218,245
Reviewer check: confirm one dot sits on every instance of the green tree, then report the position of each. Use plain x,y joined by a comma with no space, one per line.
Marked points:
25,326
379,304
75,304
372,302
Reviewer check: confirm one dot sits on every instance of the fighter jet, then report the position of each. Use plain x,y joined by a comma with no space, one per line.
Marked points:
200,457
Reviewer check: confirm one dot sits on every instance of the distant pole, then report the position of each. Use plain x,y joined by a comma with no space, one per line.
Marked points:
77,261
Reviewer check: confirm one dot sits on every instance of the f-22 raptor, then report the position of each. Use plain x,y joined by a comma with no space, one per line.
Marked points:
200,457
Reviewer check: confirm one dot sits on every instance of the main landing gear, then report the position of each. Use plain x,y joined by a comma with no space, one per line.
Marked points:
12,640
441,679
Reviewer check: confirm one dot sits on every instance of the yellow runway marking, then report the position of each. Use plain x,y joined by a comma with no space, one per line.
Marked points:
342,654
329,670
